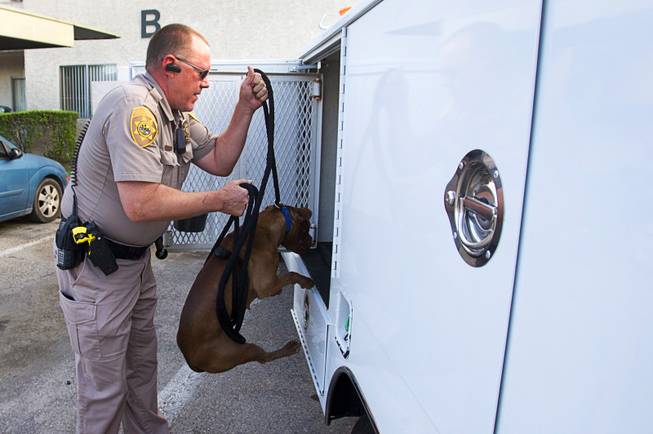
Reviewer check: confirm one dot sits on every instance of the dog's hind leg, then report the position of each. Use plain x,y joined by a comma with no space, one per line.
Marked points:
229,356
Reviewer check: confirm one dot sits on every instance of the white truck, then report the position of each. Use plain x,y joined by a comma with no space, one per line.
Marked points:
485,217
480,180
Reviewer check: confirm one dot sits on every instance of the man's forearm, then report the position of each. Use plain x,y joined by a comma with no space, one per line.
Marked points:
144,201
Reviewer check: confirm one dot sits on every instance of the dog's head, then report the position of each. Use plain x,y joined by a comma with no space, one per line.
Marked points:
297,238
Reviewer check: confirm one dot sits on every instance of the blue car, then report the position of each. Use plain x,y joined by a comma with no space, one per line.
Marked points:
29,184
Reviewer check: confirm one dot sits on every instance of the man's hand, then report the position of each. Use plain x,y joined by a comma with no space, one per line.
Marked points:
234,197
253,91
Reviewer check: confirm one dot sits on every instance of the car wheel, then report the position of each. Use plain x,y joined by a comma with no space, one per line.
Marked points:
47,201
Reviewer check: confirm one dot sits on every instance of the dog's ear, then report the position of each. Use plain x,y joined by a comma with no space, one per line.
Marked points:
305,213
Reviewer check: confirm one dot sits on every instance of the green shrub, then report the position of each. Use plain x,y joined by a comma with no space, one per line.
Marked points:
50,133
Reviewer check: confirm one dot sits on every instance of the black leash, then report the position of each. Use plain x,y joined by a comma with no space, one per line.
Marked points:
244,237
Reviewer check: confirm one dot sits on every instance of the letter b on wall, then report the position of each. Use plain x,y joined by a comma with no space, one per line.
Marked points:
149,22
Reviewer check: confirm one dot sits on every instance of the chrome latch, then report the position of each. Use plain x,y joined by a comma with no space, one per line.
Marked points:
473,200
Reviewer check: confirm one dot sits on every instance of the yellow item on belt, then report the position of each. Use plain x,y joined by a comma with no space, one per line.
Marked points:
81,235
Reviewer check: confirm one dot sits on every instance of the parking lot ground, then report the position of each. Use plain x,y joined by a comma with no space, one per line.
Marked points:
37,381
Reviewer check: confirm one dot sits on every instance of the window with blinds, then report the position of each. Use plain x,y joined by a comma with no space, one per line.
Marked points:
76,82
18,93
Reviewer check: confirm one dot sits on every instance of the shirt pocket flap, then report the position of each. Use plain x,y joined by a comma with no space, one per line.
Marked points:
169,158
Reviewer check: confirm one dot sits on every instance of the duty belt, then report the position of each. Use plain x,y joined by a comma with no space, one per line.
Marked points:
122,251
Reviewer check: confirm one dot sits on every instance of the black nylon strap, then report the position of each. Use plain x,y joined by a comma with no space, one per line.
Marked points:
268,113
235,267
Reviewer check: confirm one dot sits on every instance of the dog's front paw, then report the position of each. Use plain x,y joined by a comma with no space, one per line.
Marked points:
306,282
291,347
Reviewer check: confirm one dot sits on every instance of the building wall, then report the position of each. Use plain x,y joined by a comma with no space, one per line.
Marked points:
258,29
11,66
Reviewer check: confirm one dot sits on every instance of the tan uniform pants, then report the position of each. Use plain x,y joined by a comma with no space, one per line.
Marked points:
110,321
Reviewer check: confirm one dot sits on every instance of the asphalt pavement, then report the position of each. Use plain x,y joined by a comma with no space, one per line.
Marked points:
37,383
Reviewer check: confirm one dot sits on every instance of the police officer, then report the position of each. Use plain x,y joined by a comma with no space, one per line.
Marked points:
131,166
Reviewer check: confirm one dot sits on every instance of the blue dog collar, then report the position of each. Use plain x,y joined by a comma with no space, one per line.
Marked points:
286,215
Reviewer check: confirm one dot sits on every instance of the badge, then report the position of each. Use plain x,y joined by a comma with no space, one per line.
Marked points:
143,126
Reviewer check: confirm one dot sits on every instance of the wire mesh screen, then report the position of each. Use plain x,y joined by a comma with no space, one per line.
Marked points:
295,147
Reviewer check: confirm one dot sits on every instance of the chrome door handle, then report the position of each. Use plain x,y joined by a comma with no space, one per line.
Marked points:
481,208
473,201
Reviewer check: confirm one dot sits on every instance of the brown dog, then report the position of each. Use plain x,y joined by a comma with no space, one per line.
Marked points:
204,344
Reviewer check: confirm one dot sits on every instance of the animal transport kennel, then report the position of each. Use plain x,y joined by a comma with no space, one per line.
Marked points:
479,175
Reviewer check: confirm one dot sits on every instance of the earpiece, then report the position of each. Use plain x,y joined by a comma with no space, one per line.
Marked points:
172,67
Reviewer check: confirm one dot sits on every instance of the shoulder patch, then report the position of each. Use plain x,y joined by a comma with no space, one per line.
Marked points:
143,127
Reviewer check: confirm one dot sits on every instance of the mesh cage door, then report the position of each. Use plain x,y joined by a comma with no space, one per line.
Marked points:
297,144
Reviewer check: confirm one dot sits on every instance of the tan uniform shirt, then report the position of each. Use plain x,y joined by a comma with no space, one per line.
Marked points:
131,138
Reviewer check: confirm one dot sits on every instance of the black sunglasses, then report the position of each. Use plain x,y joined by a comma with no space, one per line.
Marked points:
202,72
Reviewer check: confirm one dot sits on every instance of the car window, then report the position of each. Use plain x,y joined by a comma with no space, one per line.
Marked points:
6,147
3,150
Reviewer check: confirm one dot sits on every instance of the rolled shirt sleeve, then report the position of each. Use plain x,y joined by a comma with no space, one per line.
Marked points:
203,141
